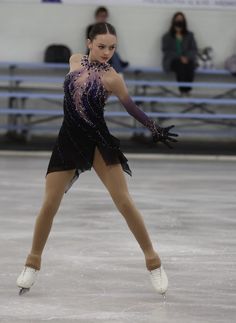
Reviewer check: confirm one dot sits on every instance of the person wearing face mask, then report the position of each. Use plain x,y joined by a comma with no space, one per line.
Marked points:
180,51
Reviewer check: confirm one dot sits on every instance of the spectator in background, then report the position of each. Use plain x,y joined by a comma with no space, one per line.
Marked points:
101,15
180,51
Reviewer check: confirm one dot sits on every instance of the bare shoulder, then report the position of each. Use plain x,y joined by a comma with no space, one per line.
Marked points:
76,58
112,77
111,73
115,83
75,61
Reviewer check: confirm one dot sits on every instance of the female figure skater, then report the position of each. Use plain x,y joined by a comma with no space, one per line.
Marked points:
84,141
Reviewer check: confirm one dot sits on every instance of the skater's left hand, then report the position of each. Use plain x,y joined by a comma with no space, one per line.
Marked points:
163,135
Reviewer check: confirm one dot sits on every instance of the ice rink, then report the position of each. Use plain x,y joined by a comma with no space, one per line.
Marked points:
93,269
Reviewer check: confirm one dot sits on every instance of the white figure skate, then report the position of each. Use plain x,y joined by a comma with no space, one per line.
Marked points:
159,280
26,279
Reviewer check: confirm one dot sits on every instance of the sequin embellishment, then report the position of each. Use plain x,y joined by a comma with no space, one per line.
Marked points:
94,65
88,92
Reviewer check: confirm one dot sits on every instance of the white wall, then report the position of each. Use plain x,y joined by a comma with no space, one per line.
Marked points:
26,30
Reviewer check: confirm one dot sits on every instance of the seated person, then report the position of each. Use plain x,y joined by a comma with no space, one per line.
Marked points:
180,51
101,15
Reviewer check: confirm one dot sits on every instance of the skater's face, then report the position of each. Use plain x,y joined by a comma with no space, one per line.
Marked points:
102,47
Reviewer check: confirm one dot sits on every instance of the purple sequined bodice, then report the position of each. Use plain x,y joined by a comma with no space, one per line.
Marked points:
84,101
86,93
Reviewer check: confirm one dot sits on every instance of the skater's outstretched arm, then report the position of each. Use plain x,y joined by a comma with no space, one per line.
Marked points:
118,87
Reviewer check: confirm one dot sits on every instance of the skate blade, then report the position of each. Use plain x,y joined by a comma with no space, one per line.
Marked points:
23,291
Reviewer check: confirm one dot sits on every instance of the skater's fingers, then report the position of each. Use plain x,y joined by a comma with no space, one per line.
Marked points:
173,134
170,127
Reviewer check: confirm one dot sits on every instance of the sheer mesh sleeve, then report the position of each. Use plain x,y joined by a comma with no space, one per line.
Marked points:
158,133
139,115
119,88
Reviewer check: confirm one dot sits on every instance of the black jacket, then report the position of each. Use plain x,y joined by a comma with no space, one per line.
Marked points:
189,47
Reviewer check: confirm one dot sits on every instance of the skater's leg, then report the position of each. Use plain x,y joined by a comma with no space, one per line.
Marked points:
114,180
54,190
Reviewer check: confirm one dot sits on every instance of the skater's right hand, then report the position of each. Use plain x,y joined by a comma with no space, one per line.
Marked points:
163,134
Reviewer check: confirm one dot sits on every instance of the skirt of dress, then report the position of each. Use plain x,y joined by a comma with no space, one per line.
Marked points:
70,152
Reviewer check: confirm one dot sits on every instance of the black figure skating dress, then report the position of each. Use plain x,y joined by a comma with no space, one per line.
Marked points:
83,127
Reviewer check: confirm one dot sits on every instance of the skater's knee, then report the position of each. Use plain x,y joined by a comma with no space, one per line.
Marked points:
122,200
50,207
